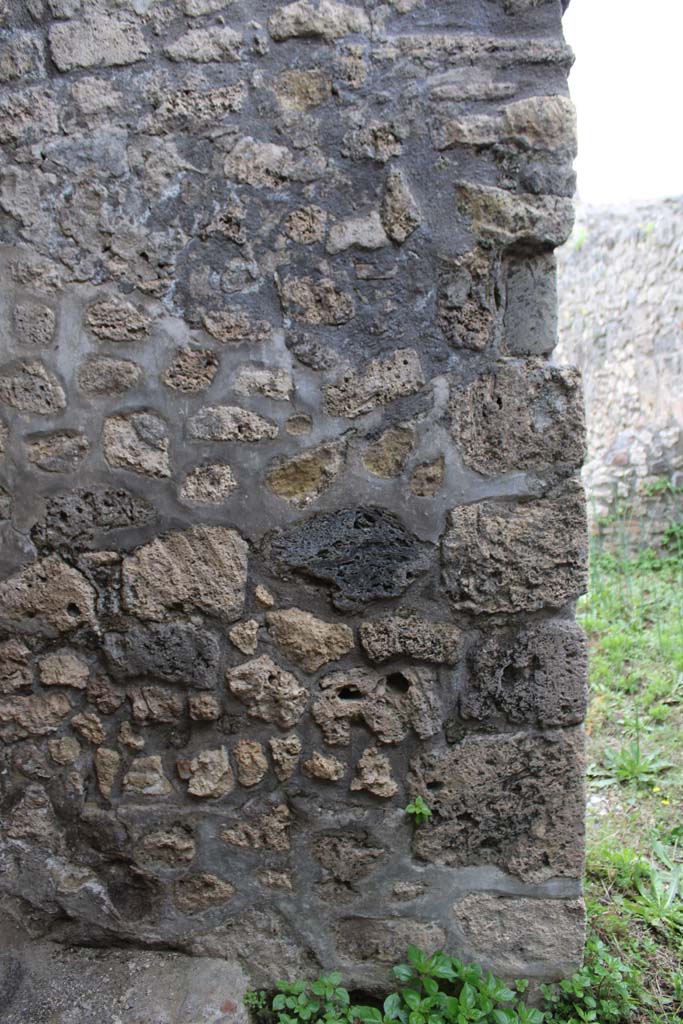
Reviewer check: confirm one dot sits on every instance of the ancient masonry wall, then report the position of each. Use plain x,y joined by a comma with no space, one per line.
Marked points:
621,321
292,526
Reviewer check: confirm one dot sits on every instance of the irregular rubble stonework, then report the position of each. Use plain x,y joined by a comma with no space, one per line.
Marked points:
290,525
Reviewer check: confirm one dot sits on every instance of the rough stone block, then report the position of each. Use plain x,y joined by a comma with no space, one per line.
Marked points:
137,441
60,452
327,20
268,691
382,381
30,387
203,568
512,801
362,554
511,219
395,635
531,305
99,42
303,478
307,640
388,705
535,675
517,557
515,935
48,595
519,416
173,652
230,423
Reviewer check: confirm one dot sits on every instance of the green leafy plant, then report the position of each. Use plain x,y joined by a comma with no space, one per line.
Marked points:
438,990
629,764
604,991
659,885
420,811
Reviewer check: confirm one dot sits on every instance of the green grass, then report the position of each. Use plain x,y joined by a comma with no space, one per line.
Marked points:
633,615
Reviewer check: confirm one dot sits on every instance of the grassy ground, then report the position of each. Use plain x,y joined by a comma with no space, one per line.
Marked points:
633,615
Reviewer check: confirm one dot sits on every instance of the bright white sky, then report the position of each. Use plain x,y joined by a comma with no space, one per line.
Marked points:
627,84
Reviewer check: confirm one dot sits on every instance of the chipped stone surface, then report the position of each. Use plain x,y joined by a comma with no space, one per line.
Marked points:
466,305
306,225
117,320
316,302
100,41
192,369
256,380
173,847
510,219
107,764
362,232
399,212
268,830
104,375
203,568
172,652
34,324
15,667
155,704
203,707
382,381
146,777
89,726
327,20
268,691
428,478
195,893
232,327
204,45
307,640
32,716
387,455
302,90
244,636
64,749
535,675
51,594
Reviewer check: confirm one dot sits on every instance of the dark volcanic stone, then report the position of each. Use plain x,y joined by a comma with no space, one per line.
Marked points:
74,519
172,651
364,554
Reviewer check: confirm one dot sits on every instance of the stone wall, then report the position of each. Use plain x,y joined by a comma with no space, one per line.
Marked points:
292,528
621,321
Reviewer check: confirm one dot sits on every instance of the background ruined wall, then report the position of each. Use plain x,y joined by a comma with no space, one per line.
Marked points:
621,322
292,528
